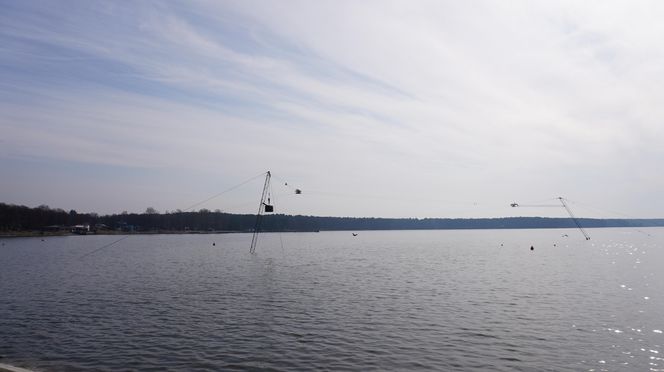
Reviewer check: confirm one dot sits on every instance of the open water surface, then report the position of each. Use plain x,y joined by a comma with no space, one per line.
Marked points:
384,300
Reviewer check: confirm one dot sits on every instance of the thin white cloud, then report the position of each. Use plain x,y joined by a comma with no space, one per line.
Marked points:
480,101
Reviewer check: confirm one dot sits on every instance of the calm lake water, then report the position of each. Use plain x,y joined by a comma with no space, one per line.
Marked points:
384,300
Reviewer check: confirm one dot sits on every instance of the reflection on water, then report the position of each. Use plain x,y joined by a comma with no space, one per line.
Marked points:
393,300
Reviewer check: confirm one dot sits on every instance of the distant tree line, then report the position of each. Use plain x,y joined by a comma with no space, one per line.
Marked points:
20,217
42,218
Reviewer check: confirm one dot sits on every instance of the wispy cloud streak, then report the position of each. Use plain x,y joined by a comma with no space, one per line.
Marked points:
481,102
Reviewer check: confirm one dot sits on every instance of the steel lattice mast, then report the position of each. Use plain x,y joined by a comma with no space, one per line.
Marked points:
259,215
564,205
585,234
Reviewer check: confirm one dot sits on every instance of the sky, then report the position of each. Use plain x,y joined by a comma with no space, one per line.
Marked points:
371,108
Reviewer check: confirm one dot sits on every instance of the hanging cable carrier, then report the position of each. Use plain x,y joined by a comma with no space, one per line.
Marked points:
265,206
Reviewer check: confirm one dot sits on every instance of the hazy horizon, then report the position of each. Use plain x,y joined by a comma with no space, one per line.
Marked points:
400,109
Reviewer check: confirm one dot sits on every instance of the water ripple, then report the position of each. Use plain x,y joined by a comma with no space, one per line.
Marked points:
407,300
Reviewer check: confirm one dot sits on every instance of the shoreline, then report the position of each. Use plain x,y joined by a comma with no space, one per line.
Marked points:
43,234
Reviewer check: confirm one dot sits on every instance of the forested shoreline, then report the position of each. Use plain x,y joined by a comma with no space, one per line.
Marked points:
43,219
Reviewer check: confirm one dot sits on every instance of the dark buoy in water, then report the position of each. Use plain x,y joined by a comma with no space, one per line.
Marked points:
532,248
213,244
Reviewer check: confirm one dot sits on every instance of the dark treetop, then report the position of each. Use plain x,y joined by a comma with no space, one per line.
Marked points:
21,218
